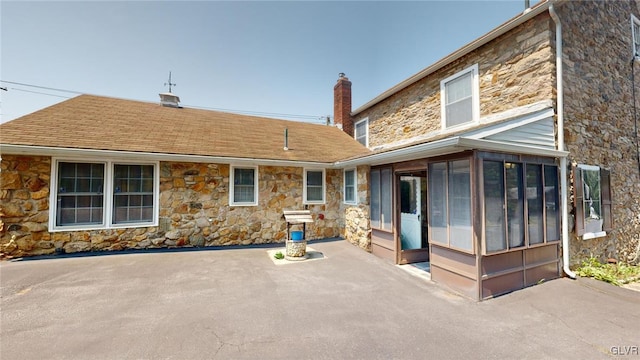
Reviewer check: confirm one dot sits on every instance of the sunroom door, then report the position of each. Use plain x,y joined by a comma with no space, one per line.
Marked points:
413,242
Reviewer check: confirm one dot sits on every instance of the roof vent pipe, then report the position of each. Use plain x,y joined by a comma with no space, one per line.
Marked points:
286,139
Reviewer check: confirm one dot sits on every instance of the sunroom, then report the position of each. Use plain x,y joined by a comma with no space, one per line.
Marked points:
481,207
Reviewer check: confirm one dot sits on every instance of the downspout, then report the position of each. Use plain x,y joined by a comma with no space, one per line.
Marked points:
563,160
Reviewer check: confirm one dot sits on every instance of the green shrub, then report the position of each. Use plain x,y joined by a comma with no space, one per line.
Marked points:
616,274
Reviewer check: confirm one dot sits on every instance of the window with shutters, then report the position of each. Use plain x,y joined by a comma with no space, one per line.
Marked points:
592,201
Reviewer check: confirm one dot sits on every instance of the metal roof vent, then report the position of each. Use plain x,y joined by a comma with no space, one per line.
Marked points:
169,99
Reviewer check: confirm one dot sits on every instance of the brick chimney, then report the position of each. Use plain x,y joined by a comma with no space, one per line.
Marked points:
342,104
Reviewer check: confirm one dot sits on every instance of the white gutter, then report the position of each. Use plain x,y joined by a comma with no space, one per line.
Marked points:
132,155
448,146
563,160
434,148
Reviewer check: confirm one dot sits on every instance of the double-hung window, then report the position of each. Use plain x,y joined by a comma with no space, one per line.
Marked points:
635,36
103,194
314,186
460,98
132,193
244,186
592,201
80,194
361,132
350,186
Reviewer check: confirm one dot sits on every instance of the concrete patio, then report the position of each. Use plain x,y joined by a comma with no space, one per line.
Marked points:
347,304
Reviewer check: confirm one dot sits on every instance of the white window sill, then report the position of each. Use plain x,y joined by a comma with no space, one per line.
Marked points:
243,204
595,235
72,228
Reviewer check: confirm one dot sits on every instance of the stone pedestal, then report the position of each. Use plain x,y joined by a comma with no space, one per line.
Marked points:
296,249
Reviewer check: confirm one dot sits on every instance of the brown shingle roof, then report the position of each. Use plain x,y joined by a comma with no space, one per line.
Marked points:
103,123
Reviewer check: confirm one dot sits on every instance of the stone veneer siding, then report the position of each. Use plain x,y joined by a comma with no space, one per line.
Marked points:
194,210
599,114
357,225
516,69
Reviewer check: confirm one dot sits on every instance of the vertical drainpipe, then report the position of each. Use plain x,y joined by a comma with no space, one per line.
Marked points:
563,160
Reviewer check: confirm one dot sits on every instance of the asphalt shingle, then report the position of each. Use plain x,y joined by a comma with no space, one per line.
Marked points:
104,123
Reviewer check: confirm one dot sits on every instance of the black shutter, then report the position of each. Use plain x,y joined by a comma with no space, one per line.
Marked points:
578,200
605,196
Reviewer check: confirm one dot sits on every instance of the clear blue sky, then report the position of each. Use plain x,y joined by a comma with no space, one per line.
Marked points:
264,56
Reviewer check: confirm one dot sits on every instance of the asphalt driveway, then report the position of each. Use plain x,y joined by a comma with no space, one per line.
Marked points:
237,303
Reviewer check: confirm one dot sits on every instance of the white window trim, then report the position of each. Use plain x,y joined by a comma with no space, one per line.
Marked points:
232,201
355,186
355,126
107,206
634,36
304,187
475,97
598,234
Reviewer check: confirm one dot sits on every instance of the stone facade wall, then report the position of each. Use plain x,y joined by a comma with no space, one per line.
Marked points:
516,69
599,113
357,225
194,210
24,205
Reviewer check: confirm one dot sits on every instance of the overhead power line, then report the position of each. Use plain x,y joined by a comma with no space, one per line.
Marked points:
41,93
308,118
259,113
42,87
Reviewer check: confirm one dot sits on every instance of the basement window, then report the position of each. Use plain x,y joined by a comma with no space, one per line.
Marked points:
243,186
103,194
460,98
592,201
314,185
